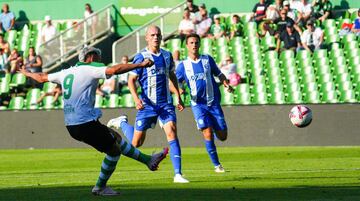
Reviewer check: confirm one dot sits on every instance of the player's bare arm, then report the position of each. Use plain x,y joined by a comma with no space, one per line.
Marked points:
175,90
39,77
132,87
225,82
123,68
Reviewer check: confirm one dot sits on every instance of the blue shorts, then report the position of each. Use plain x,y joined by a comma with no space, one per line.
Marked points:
209,116
147,117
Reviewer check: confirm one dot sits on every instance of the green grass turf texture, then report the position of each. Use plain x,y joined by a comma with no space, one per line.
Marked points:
253,173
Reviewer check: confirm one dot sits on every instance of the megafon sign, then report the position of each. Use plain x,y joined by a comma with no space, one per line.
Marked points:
141,11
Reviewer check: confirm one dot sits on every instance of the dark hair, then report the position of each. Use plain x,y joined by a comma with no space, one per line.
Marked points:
193,35
87,4
1,34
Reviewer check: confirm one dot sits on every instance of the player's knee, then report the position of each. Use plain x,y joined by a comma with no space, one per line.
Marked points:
221,135
114,150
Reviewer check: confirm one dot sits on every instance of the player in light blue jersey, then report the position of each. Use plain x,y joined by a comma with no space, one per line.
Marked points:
82,119
198,72
155,101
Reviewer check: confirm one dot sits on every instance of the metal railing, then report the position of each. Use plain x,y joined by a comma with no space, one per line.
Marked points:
135,41
68,42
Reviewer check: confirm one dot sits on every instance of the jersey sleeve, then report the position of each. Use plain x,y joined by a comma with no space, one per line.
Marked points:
55,77
214,68
98,72
180,72
137,59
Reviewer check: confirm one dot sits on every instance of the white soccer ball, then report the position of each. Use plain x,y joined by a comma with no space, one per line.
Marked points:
300,116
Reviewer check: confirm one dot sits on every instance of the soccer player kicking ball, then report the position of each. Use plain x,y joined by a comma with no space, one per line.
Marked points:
82,119
198,72
156,101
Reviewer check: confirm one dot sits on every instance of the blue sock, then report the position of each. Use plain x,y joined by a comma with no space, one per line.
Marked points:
128,130
175,155
211,149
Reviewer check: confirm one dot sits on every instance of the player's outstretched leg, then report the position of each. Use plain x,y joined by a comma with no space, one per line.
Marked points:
107,168
152,162
121,122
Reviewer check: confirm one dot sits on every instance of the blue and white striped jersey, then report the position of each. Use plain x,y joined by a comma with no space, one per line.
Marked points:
154,80
199,76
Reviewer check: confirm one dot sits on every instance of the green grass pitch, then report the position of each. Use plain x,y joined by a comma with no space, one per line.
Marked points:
264,173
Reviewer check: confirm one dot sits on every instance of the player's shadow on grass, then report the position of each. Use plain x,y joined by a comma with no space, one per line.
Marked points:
184,192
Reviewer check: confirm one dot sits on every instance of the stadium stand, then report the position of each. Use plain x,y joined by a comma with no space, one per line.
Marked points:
268,77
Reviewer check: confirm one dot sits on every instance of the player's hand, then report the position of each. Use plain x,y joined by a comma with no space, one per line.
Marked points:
180,106
22,71
139,104
146,63
228,87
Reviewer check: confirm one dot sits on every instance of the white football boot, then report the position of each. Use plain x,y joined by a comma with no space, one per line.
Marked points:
180,179
104,191
219,169
115,123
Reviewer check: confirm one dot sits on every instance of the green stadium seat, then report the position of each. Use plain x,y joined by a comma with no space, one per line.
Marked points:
332,39
355,69
329,23
290,87
327,86
31,99
277,98
323,69
220,42
242,93
5,84
289,79
260,98
356,78
24,41
345,86
99,101
127,101
341,78
347,96
268,42
48,102
10,37
113,101
174,44
354,15
236,42
16,103
329,97
227,98
325,78
287,54
309,78
18,80
206,46
295,97
303,55
310,86
352,52
320,53
48,87
312,97
60,103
